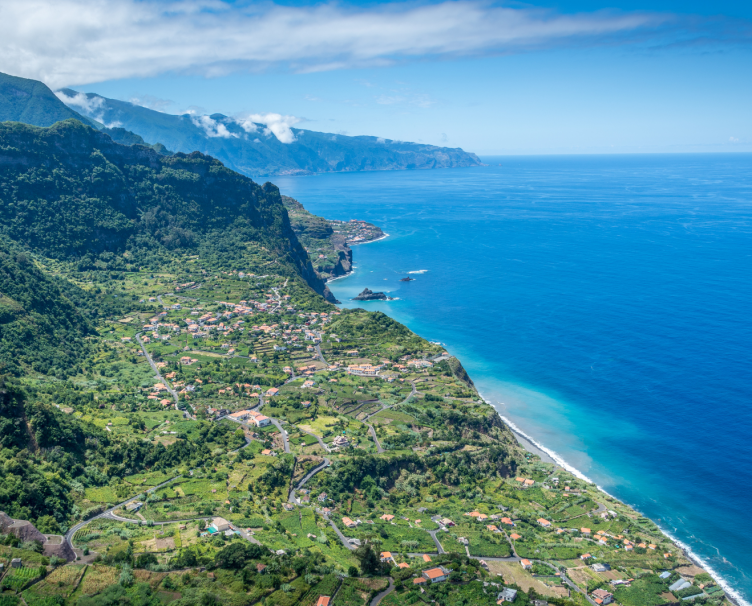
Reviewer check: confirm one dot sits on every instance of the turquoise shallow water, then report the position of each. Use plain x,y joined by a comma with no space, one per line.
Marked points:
602,304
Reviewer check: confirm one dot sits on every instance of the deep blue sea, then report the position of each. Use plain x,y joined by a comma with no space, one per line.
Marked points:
603,305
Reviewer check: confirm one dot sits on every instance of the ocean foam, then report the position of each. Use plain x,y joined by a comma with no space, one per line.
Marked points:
347,275
734,595
419,271
370,241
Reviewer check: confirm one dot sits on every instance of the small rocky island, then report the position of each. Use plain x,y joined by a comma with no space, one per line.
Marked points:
408,279
369,295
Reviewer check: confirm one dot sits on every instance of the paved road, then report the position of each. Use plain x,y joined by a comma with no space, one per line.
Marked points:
173,393
436,541
377,599
319,354
492,559
275,422
511,544
111,515
107,513
567,580
285,441
342,537
308,476
412,393
372,431
318,439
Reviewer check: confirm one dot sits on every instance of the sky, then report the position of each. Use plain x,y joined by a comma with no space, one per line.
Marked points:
575,76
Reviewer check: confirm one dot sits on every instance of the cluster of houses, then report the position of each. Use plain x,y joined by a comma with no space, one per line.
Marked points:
364,370
357,231
252,416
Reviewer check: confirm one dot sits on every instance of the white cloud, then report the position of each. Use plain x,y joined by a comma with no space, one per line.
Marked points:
93,107
276,124
68,42
212,128
82,102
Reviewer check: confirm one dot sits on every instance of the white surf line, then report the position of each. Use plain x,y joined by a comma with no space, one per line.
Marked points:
691,555
369,241
347,275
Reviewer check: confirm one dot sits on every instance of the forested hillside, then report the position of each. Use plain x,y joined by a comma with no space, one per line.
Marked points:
40,327
179,400
69,192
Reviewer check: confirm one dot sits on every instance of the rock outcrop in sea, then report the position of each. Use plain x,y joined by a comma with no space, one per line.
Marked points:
369,295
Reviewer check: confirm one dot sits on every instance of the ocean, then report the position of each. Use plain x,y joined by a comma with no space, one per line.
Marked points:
600,303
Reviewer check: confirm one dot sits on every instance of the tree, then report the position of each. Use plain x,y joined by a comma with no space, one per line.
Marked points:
126,576
352,571
145,559
369,560
47,525
236,555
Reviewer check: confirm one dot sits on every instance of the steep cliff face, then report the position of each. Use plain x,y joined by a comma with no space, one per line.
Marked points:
344,255
70,192
328,241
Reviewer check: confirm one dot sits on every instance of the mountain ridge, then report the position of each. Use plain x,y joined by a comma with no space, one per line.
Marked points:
71,193
252,149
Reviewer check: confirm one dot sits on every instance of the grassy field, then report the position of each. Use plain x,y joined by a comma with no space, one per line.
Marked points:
62,581
17,578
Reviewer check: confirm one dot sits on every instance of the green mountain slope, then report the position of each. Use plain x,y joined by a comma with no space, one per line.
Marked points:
70,193
40,327
32,102
253,150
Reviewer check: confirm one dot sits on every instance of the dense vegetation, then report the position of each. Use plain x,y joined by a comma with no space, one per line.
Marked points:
144,300
40,326
70,192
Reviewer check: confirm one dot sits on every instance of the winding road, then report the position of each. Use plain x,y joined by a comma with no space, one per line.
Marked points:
412,393
342,537
308,476
318,439
380,596
108,513
161,379
372,431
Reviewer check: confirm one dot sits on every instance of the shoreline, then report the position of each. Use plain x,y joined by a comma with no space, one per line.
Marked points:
548,455
347,275
369,241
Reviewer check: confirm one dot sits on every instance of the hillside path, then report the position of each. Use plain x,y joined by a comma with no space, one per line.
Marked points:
308,476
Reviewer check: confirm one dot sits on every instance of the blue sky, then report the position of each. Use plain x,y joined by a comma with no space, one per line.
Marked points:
512,78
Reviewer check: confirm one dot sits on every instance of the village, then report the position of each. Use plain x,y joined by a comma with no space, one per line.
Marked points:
333,431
